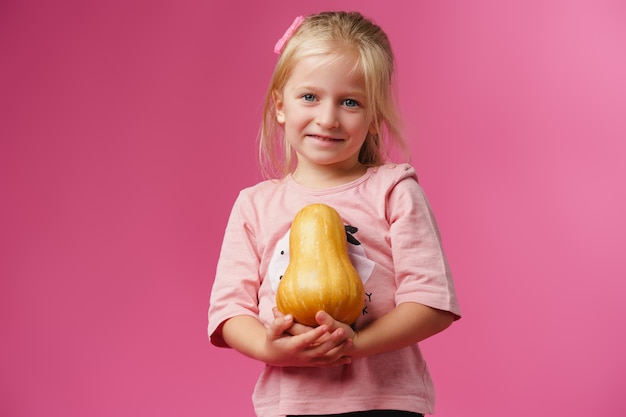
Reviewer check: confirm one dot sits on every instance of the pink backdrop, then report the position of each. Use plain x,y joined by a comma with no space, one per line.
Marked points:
127,129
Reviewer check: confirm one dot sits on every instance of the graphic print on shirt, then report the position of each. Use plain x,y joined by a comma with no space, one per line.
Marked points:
280,260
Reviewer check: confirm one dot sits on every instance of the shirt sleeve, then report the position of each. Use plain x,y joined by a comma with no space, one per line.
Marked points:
422,272
237,281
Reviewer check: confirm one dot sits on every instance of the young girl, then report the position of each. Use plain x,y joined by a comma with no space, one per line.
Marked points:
329,115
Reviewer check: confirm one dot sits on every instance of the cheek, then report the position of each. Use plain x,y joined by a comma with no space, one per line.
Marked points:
297,119
359,126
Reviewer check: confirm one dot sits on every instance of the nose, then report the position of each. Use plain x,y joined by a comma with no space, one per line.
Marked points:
327,116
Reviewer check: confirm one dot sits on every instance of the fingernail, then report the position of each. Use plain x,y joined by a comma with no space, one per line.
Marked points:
287,317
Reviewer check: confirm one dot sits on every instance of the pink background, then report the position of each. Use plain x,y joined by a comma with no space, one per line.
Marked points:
127,129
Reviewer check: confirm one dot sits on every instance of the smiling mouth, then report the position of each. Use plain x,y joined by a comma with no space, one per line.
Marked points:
324,138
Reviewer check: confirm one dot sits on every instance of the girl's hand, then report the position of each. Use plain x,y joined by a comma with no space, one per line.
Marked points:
296,328
293,344
322,318
325,319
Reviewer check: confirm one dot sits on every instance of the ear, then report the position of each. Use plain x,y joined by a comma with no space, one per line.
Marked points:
279,106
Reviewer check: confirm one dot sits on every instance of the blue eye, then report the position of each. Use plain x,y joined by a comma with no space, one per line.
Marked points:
350,103
308,97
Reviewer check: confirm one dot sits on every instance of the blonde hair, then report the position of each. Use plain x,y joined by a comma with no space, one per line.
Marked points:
322,34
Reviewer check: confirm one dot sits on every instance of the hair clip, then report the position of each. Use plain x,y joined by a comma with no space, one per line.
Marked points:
278,48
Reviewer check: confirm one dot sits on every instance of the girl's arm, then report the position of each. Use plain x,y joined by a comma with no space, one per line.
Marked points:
405,325
273,346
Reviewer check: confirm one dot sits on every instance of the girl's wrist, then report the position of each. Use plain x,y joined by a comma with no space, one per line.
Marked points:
353,351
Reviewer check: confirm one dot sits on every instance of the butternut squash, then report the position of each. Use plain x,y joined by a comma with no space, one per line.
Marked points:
319,275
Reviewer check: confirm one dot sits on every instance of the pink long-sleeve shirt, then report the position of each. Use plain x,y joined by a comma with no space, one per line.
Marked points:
395,246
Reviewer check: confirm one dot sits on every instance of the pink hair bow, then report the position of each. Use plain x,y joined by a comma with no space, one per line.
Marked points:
278,48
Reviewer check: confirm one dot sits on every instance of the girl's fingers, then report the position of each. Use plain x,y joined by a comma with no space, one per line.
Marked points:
296,328
329,355
328,351
321,346
323,317
279,326
343,360
311,337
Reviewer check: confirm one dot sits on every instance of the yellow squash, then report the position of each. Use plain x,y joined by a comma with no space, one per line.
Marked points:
320,275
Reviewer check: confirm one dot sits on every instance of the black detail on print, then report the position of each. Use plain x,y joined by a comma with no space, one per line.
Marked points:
282,252
350,230
368,299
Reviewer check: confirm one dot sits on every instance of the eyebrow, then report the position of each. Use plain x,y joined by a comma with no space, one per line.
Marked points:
345,93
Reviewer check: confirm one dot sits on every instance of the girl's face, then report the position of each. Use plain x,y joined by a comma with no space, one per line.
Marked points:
323,109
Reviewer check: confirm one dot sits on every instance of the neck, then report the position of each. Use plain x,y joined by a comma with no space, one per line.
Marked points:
319,177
